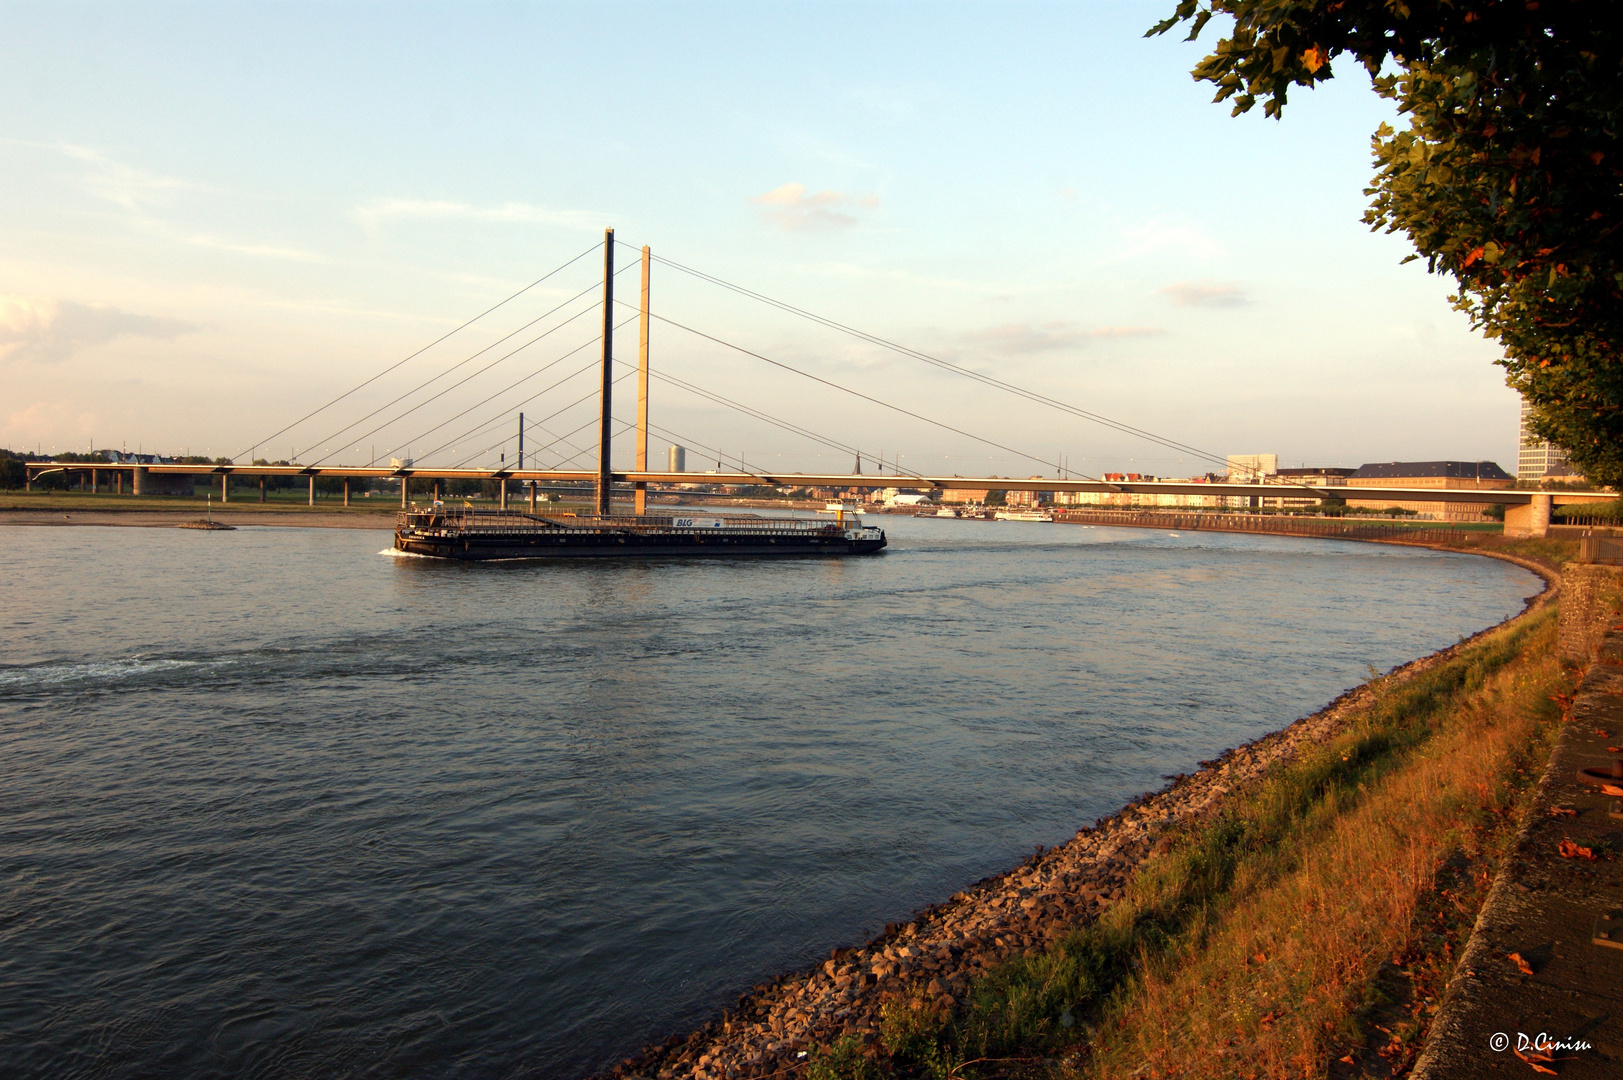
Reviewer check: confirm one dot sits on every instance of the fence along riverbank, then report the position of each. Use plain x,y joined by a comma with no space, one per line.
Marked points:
1258,523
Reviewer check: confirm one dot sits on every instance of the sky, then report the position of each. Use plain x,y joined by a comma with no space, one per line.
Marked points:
217,218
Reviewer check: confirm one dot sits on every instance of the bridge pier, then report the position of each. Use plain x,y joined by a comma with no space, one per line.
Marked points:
225,487
118,480
504,493
436,491
1541,507
1531,521
261,489
532,496
138,481
346,491
405,490
312,489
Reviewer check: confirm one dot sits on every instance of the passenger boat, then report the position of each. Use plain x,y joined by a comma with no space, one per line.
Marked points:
1023,515
466,533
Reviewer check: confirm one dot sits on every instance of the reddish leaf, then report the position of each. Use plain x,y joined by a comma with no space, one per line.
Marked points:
1534,1058
1570,850
1521,965
1563,811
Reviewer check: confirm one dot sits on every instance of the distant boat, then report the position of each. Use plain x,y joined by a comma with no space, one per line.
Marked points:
945,511
1023,515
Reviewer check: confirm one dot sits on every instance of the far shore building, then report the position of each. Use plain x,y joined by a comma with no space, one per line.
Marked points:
1122,500
1442,475
965,496
1306,476
1537,459
1252,468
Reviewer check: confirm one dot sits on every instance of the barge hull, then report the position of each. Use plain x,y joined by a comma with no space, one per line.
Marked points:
630,547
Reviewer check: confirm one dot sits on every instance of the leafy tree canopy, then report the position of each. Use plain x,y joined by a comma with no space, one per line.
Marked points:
1509,176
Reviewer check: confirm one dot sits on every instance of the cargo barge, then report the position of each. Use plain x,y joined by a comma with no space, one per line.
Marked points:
473,534
463,532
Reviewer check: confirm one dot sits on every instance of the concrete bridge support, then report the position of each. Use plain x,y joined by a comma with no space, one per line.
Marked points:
225,487
504,493
312,489
139,482
405,490
1541,507
346,491
1532,520
261,489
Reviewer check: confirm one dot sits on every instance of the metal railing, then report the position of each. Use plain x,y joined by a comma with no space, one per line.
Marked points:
467,520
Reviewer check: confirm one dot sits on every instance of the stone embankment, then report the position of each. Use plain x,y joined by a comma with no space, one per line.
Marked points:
934,957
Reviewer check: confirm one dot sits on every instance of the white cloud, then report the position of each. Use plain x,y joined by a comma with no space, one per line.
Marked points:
293,254
794,208
1024,339
1156,237
512,213
48,420
1204,293
118,183
50,331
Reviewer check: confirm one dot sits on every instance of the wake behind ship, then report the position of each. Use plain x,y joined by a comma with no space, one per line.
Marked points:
466,533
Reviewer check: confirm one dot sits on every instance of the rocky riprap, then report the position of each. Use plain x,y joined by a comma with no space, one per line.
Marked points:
933,958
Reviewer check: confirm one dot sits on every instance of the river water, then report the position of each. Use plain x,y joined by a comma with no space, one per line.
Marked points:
274,803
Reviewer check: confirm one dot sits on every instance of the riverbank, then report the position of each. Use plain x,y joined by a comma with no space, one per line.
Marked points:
1070,963
169,519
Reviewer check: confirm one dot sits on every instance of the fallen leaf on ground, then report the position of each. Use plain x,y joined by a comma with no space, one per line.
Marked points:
1611,789
1535,1058
1348,1060
1563,811
1266,1020
1603,733
1570,850
1614,749
1521,965
1536,1066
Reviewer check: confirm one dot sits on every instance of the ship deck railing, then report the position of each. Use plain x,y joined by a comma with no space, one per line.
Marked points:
467,521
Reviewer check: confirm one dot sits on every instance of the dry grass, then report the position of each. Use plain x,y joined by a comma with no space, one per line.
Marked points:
1274,940
1275,983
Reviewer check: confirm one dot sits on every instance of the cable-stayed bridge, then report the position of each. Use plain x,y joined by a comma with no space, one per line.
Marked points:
497,416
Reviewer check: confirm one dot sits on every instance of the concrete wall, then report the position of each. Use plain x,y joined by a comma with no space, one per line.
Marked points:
1591,603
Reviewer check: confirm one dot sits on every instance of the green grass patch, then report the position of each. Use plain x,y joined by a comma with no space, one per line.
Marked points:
1117,992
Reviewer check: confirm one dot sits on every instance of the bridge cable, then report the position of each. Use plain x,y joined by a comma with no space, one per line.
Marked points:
467,360
481,371
757,414
492,397
510,386
857,393
947,365
424,349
